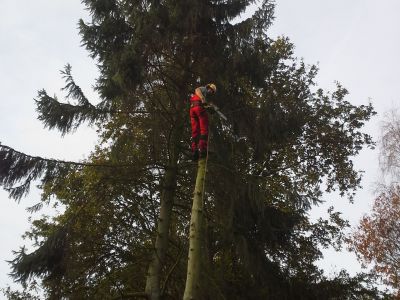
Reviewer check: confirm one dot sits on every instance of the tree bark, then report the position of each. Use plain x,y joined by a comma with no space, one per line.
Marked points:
196,234
153,279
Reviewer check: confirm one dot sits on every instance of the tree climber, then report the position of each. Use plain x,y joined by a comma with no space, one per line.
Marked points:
199,119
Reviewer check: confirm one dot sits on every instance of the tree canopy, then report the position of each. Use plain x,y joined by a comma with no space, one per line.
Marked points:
123,233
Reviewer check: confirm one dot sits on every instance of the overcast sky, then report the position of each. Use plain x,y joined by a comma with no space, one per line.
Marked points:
354,42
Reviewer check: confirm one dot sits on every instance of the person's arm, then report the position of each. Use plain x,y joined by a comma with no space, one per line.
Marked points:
201,92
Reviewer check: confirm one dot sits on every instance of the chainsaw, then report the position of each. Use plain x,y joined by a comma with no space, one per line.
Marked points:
217,110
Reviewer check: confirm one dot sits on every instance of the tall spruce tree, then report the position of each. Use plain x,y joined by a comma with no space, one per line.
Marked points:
124,232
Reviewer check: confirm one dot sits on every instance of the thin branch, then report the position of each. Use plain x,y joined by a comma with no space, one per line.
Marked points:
164,286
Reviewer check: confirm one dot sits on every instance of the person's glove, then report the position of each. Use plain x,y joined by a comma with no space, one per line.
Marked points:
209,108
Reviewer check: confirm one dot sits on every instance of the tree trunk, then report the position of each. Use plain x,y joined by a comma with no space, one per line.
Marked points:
196,234
153,279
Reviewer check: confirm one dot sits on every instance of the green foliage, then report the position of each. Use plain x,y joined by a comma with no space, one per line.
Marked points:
18,168
47,260
64,116
16,295
285,144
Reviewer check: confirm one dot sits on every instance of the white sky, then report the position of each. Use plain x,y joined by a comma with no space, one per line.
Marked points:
354,42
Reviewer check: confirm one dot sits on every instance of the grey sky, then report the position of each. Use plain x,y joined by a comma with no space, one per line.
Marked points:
355,42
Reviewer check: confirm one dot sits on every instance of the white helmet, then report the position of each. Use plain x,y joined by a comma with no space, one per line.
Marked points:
212,86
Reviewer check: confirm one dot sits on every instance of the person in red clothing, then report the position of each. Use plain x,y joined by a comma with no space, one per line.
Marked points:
199,119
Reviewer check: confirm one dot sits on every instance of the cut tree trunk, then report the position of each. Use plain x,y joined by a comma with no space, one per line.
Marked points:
196,238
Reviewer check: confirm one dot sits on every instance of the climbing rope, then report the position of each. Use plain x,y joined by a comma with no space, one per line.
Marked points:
205,168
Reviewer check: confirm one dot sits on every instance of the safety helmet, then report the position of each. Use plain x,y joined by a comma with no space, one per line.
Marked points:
212,86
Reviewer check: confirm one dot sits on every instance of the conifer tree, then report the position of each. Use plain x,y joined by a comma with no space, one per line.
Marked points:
124,231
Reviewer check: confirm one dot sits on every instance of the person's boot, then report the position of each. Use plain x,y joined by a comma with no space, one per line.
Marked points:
195,155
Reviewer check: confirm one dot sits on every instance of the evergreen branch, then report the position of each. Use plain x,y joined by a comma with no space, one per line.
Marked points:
166,113
47,260
74,163
67,117
74,91
64,116
17,167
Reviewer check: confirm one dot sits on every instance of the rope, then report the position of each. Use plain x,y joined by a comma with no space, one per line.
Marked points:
205,168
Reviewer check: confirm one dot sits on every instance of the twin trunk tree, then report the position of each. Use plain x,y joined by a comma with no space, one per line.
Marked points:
124,230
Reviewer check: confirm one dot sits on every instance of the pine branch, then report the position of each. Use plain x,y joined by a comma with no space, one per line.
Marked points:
64,116
67,117
19,168
74,91
47,260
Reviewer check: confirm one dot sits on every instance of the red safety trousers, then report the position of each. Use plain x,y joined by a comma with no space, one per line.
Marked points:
199,122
